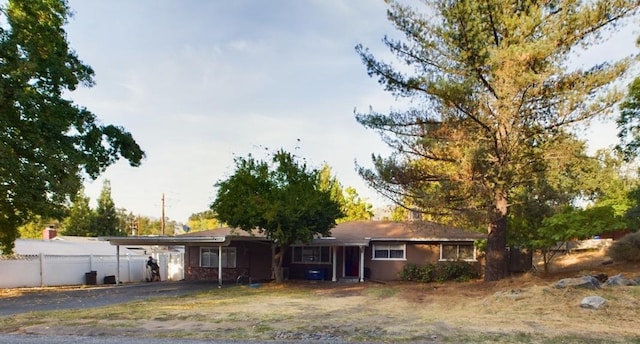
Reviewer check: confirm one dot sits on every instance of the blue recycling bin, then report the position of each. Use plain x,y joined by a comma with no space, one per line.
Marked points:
315,274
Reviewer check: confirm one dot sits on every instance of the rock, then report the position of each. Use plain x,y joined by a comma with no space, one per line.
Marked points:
600,277
607,261
588,282
593,302
618,280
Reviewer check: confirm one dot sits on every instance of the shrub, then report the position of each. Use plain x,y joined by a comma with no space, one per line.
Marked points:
456,271
416,273
445,271
626,249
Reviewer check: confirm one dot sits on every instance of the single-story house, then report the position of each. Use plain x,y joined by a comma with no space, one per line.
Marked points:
356,250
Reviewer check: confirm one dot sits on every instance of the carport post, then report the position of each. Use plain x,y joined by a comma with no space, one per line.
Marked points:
334,263
117,264
220,265
361,272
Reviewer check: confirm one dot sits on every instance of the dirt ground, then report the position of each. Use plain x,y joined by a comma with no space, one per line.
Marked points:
521,309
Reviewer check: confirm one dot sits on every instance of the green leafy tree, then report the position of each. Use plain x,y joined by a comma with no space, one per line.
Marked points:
353,207
329,182
490,88
283,200
574,224
629,122
47,143
80,218
542,214
203,221
106,221
33,229
149,226
565,178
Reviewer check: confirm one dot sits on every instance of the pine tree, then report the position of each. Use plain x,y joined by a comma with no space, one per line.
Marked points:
490,91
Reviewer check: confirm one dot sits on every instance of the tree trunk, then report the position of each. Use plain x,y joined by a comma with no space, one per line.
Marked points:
496,264
276,263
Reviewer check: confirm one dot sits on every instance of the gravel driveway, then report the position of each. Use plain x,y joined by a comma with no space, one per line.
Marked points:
98,296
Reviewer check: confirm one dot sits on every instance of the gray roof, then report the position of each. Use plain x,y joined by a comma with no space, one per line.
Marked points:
353,233
66,246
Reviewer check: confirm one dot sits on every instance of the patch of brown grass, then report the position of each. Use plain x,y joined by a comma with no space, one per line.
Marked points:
523,308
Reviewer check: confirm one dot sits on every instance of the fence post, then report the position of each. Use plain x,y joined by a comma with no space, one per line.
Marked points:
41,257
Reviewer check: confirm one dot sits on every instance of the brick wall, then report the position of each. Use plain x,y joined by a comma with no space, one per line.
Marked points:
211,274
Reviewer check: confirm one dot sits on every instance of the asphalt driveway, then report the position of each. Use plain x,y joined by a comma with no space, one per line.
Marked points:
89,297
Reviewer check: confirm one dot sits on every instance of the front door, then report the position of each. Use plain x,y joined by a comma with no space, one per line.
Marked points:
351,261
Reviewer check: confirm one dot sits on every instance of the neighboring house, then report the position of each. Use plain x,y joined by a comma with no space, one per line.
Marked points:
356,250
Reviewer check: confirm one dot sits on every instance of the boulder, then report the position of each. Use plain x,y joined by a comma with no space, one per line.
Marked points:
600,277
588,282
618,280
593,302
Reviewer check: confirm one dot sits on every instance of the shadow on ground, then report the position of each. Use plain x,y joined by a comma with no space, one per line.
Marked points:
89,297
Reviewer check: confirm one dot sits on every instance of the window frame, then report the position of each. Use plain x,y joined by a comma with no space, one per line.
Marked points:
457,245
299,257
389,247
226,252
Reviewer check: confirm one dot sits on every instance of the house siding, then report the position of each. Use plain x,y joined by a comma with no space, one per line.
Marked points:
389,270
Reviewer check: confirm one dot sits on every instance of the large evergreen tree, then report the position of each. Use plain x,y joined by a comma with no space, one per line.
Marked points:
47,143
491,89
106,221
80,218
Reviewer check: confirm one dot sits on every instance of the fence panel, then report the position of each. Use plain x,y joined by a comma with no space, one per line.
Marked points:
60,270
21,272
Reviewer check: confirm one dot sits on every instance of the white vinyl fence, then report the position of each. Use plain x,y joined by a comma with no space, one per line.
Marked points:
45,270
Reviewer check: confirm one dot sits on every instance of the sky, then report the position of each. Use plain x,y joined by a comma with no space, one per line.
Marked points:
198,83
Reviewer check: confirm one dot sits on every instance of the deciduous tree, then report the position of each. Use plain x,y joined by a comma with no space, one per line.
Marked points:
353,207
491,87
281,199
202,221
47,143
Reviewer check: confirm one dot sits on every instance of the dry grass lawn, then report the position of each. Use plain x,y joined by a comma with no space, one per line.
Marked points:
521,309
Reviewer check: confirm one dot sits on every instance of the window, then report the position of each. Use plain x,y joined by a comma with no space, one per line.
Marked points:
389,251
457,252
311,254
209,257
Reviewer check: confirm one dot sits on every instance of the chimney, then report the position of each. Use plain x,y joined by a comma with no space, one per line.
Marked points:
49,233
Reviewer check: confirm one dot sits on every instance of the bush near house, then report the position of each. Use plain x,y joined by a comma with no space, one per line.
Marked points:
440,272
626,249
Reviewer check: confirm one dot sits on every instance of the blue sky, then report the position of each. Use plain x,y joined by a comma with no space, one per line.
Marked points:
199,82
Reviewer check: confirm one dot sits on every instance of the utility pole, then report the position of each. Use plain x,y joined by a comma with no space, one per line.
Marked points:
162,223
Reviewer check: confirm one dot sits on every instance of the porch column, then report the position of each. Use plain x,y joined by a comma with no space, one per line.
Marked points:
220,266
117,264
334,251
361,272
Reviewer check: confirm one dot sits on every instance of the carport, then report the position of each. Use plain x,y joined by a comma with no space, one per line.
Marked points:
218,241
